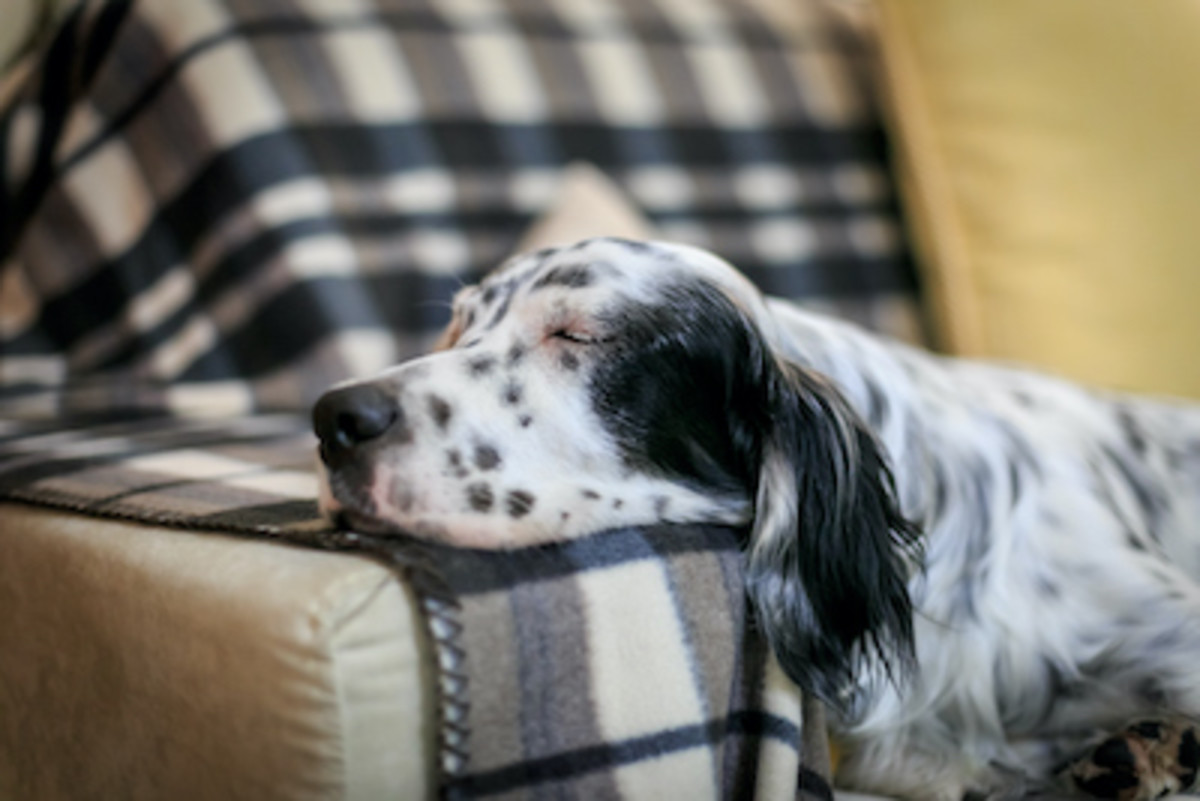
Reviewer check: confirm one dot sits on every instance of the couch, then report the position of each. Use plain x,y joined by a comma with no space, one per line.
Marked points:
213,210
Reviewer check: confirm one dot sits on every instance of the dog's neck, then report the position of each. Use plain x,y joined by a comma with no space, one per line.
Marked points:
873,374
898,392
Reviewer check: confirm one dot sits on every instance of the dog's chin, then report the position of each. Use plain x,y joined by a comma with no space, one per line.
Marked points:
351,511
349,520
346,517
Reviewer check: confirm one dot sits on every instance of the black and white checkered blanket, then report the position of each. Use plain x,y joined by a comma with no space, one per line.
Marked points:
622,665
230,204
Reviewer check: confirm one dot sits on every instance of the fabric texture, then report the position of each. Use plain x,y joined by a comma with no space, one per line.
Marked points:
1050,164
686,703
544,685
218,206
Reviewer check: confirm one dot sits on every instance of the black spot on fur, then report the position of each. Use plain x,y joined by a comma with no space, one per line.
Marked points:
502,310
481,365
1134,436
877,405
480,497
512,394
1055,682
1150,498
525,421
569,361
591,495
501,313
976,479
940,493
571,276
1047,588
440,410
1014,480
486,457
454,459
519,503
661,503
515,354
979,476
1022,461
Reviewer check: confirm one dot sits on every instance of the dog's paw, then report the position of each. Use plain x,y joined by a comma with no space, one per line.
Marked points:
1149,759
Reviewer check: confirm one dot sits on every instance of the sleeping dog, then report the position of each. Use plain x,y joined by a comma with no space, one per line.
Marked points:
984,572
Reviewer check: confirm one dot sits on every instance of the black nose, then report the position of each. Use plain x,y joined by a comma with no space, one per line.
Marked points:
345,418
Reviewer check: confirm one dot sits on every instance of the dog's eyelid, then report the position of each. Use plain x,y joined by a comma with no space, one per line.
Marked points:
571,335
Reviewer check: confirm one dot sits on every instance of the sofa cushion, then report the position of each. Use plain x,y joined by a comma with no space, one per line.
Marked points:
1051,162
588,204
146,663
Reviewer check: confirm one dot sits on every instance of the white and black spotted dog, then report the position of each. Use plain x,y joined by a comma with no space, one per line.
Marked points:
1029,547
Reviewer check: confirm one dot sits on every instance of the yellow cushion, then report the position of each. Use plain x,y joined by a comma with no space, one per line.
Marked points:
1051,156
141,663
588,204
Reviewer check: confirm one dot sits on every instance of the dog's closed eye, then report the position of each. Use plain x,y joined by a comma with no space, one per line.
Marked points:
582,334
576,337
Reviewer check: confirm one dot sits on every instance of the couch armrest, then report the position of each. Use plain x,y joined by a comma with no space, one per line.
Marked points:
141,662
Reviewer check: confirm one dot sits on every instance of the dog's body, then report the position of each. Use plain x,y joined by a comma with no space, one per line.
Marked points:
1053,589
1060,590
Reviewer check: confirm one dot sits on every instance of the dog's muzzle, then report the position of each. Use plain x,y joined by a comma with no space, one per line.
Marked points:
347,419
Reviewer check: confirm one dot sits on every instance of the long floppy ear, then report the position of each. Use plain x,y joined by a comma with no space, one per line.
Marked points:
825,564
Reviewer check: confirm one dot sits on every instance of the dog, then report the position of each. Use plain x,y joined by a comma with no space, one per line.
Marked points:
988,574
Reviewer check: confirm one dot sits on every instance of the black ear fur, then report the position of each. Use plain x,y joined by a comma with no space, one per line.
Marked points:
825,564
692,390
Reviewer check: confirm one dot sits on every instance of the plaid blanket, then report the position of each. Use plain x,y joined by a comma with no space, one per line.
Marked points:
231,204
548,686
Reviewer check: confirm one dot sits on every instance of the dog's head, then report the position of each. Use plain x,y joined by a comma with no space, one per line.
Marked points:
616,383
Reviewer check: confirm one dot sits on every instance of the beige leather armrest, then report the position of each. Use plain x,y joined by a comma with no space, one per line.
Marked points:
144,663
